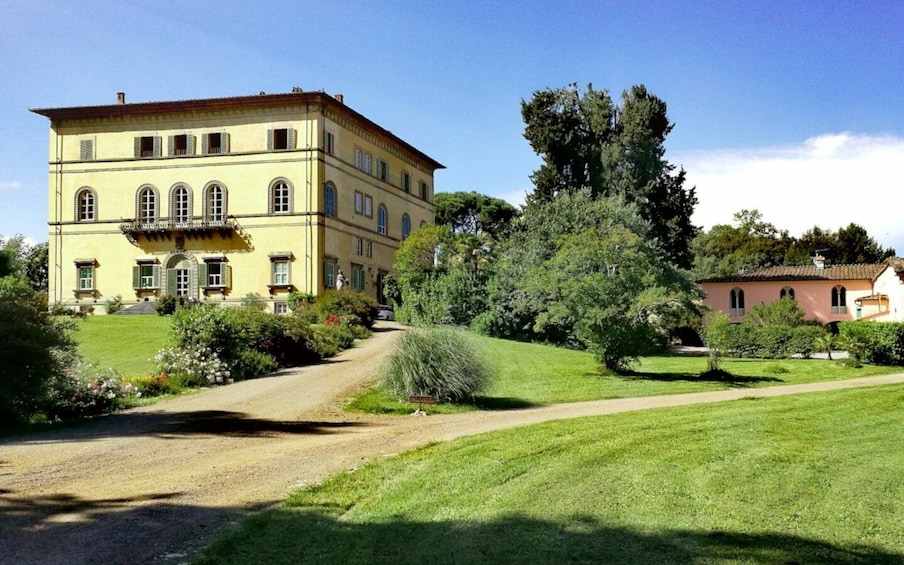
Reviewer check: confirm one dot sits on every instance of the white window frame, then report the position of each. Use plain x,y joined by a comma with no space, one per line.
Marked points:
85,277
382,219
368,206
280,270
359,202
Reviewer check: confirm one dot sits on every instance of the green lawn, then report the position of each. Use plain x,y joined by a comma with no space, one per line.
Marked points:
125,343
812,478
532,374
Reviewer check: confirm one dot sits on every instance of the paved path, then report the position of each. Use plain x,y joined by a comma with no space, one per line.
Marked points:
158,482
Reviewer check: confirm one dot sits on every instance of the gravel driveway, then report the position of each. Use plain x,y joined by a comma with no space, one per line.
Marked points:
157,483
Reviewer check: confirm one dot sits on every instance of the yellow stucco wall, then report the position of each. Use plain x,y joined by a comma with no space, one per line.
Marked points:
246,172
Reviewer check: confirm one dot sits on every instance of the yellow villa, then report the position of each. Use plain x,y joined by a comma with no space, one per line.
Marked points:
216,199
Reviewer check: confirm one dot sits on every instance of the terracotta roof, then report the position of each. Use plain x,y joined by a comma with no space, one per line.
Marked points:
296,98
862,271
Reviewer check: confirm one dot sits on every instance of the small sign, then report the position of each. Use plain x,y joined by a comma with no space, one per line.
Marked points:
415,399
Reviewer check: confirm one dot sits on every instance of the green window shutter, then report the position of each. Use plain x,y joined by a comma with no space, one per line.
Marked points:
202,273
290,138
171,281
224,142
189,144
269,140
156,274
270,198
227,276
136,277
157,143
171,145
138,148
204,145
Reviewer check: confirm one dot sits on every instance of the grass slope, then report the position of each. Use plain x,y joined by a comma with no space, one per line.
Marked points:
529,374
802,479
125,343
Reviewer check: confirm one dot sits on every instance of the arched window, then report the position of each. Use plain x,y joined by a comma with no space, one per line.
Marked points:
280,197
329,200
180,204
215,203
786,291
839,300
737,302
146,205
85,205
406,226
381,219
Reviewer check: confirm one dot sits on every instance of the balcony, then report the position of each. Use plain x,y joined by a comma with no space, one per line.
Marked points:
195,228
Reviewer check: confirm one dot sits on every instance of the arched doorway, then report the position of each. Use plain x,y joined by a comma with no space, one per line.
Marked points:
182,277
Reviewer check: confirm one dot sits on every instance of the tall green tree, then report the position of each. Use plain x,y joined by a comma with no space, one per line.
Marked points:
582,270
474,213
587,142
750,244
849,245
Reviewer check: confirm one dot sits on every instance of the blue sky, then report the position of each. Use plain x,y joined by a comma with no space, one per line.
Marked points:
794,108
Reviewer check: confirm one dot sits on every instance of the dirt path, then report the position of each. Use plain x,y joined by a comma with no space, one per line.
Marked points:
158,482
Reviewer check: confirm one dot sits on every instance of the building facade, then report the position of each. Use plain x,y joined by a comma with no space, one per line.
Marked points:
217,199
826,293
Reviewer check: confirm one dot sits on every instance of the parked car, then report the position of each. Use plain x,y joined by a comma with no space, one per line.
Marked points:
385,312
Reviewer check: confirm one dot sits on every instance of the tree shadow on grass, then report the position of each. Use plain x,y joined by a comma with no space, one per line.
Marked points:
707,377
317,534
503,403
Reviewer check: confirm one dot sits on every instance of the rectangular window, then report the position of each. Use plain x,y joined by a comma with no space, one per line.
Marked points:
330,269
214,274
359,203
359,158
147,276
86,150
367,163
280,308
359,246
368,248
358,277
147,147
280,273
382,170
368,206
406,182
280,139
424,189
215,143
329,143
180,145
86,278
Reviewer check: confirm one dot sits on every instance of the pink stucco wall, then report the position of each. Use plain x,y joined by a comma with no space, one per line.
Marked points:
814,297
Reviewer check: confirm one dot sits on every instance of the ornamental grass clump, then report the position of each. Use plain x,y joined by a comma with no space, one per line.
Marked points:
442,363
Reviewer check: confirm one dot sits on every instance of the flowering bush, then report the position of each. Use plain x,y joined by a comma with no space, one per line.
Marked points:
332,320
194,368
86,390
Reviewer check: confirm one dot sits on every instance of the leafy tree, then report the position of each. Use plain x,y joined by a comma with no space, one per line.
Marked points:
750,244
473,213
851,244
36,265
582,271
12,252
35,349
588,143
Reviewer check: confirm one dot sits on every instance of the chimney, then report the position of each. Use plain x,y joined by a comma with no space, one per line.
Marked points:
296,90
340,98
120,97
819,261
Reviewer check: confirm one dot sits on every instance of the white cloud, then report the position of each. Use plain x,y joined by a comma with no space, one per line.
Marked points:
10,185
830,181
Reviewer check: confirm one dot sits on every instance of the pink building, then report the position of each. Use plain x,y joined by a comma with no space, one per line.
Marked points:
828,293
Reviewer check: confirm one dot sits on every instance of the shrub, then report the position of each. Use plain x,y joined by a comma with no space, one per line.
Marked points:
192,368
60,310
874,342
297,300
87,391
113,304
356,307
168,304
251,364
153,385
442,363
35,349
254,301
